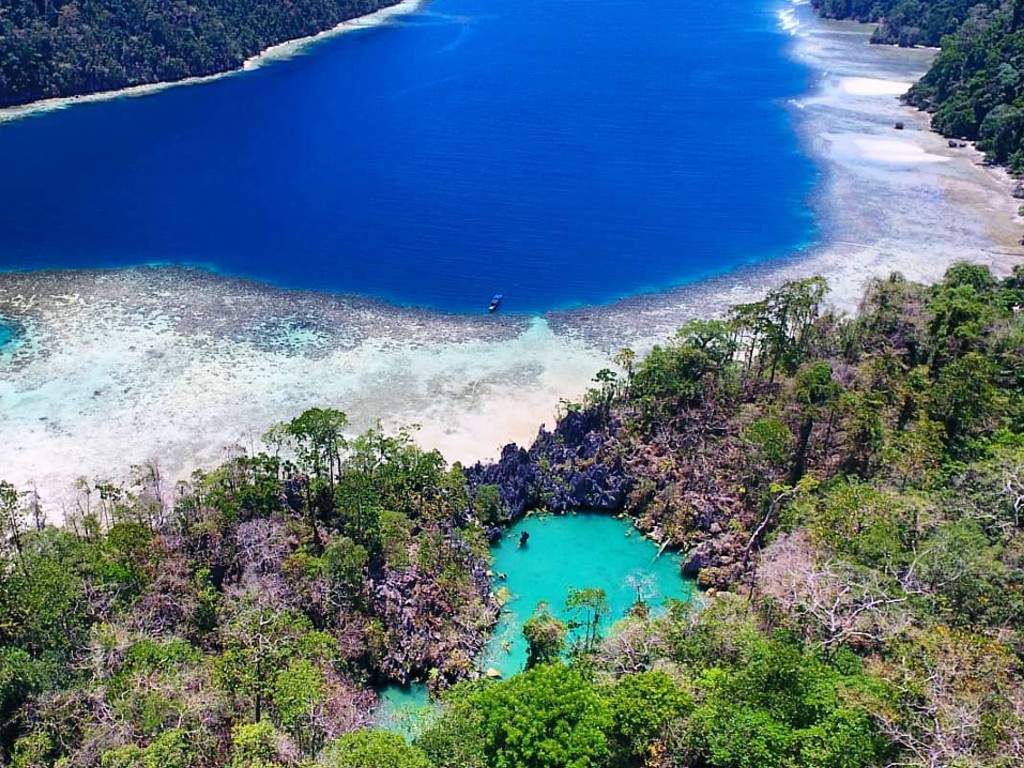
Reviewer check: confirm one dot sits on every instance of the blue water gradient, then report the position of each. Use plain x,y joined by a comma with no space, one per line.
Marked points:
561,153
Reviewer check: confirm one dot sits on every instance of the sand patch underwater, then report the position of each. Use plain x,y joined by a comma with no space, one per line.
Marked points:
873,86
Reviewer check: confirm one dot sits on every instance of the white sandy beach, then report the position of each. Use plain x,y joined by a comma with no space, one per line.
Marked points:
172,366
895,151
873,86
279,52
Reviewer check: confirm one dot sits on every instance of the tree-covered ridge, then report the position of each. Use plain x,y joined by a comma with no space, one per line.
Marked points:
849,490
858,481
51,48
975,87
905,22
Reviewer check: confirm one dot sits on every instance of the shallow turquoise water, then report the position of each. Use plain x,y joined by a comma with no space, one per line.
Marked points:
575,551
6,334
568,551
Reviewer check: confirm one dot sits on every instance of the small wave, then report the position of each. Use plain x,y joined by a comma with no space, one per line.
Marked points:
788,21
464,32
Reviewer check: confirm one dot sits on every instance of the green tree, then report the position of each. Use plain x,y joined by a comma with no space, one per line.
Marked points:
716,338
317,438
778,330
965,399
343,563
642,705
487,504
545,636
776,706
373,749
586,608
296,692
601,397
170,749
258,641
771,439
548,717
671,377
815,389
870,526
395,538
254,745
34,750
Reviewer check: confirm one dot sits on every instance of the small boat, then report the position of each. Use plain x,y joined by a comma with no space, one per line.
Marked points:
495,302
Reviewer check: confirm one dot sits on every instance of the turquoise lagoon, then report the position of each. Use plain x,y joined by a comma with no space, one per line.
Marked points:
576,550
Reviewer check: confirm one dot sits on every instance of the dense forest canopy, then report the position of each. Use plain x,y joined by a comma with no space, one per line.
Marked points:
849,491
54,48
975,86
904,22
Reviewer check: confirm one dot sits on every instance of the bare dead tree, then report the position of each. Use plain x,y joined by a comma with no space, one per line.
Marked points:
262,545
954,696
11,518
1013,486
832,603
631,649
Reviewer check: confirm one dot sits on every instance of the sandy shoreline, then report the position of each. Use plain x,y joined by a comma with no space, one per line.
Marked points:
279,52
175,366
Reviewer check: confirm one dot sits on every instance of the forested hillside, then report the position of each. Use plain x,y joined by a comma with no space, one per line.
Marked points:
850,491
975,86
69,47
905,22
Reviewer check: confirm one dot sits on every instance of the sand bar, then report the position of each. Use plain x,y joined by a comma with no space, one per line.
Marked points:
895,151
873,86
174,366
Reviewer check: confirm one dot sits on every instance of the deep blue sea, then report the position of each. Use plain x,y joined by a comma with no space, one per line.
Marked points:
562,153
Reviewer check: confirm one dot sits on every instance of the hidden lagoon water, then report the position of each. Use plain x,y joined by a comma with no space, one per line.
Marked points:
562,153
566,551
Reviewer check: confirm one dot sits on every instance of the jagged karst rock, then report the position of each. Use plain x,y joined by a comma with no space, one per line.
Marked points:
560,471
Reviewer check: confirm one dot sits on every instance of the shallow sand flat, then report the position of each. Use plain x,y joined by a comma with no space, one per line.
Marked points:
179,366
894,151
122,367
873,86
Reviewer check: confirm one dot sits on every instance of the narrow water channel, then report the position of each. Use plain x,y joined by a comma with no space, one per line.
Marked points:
564,552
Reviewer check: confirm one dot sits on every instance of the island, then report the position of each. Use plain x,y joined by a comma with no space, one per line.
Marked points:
830,466
71,48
